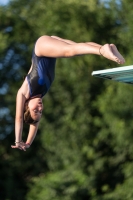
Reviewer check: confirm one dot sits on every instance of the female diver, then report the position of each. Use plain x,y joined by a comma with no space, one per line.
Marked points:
29,105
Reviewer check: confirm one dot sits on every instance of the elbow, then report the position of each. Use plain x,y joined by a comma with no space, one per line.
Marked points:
19,119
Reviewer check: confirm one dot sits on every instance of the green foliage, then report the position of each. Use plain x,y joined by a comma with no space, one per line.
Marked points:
115,130
83,149
60,185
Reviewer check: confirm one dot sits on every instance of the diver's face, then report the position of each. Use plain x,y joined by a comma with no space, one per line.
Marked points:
36,107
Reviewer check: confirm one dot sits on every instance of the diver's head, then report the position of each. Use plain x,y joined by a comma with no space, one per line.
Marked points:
33,110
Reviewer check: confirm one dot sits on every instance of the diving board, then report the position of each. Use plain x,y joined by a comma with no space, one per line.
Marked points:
121,74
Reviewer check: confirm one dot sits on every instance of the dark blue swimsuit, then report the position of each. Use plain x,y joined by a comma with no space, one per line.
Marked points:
42,75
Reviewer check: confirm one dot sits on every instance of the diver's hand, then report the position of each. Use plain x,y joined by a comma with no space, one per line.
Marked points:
21,145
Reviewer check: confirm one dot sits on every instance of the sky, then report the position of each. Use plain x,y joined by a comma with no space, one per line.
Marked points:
3,2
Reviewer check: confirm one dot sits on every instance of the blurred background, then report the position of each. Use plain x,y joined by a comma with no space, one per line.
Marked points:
84,146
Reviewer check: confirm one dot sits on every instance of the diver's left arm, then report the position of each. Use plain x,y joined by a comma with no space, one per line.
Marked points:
20,101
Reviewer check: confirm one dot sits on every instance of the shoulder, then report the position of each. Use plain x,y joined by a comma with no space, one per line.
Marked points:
21,93
24,90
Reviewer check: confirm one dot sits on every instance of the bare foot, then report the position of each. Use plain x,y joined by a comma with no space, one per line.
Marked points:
116,53
110,52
